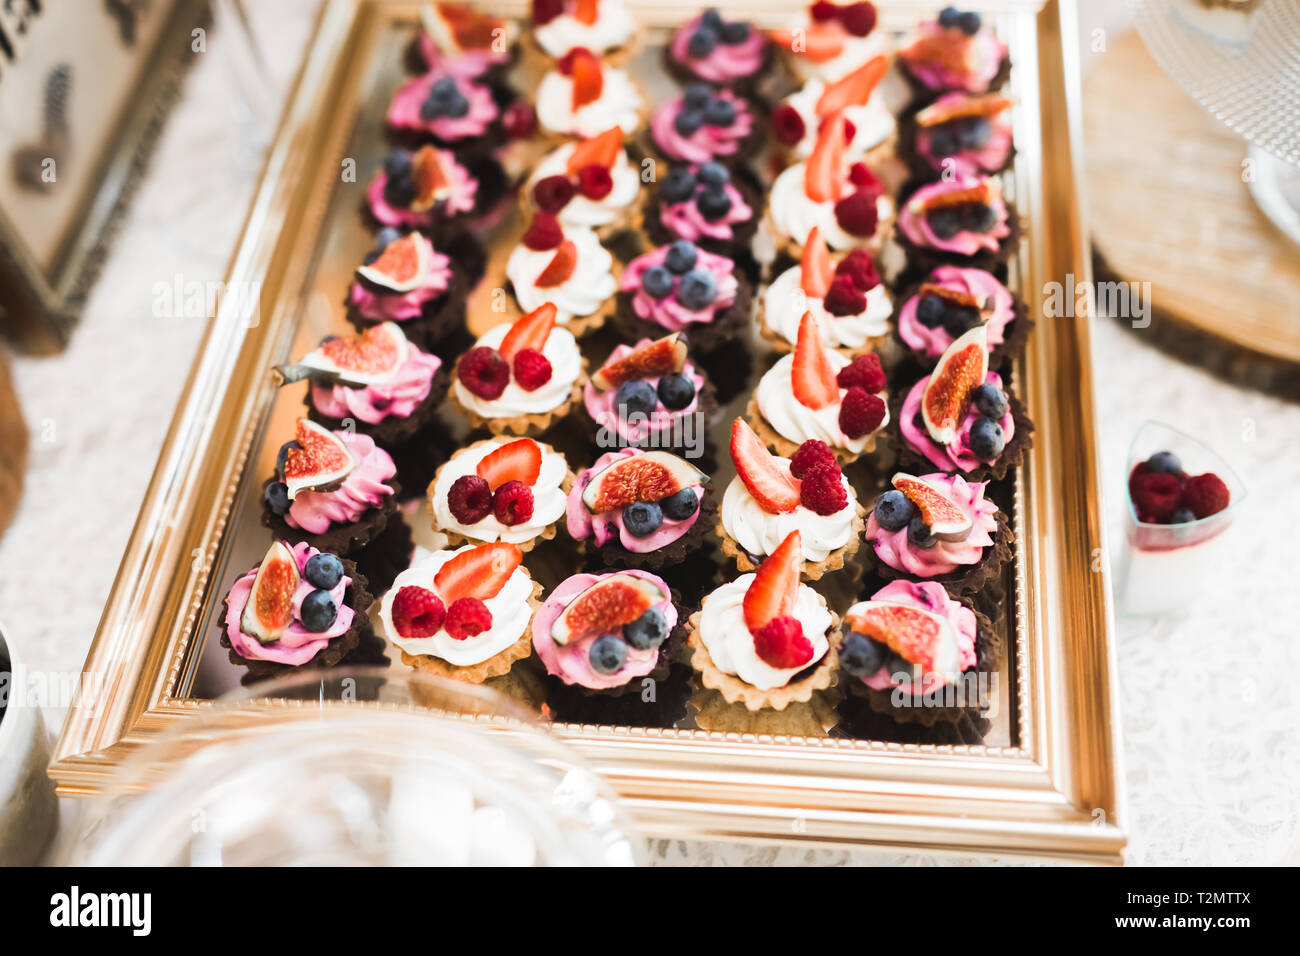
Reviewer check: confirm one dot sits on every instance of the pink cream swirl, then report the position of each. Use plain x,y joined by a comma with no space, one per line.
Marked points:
895,550
984,56
684,220
916,225
976,282
383,305
989,158
602,406
371,404
582,524
364,488
404,113
463,64
668,312
707,142
957,456
727,62
933,597
457,198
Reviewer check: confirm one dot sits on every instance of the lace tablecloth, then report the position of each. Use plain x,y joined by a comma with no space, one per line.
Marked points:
1211,724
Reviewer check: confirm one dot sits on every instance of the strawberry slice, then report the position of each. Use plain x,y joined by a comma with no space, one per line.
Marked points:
559,268
819,42
770,484
816,272
479,572
775,586
853,89
514,461
586,11
812,377
601,150
588,81
529,332
823,174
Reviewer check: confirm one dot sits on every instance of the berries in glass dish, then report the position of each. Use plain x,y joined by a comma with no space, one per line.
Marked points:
1163,493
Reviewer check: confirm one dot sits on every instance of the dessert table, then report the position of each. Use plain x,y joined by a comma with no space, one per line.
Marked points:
1211,729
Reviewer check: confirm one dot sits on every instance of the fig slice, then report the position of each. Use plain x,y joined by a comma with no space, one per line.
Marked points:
651,476
936,114
921,637
320,460
654,358
962,368
430,178
269,609
955,296
981,194
945,518
371,358
606,606
402,265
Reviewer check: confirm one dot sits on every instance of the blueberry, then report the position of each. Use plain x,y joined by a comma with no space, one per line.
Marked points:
277,497
930,311
323,570
647,631
978,217
643,518
943,142
318,611
735,33
458,106
893,510
386,236
607,654
431,109
1165,463
918,532
990,401
676,391
986,439
635,398
959,319
281,456
678,185
970,23
975,133
949,17
898,664
688,121
680,506
702,42
712,19
1183,516
397,163
657,282
860,655
713,174
400,192
945,223
371,257
697,289
681,257
696,96
720,112
443,89
714,204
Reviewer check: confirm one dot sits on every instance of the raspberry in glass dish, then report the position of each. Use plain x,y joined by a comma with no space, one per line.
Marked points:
952,300
724,53
584,96
954,51
567,268
590,184
683,287
959,135
830,40
1163,493
710,205
962,221
702,124
870,128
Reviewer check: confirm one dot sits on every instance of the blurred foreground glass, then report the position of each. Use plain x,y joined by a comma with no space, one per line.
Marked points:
358,766
1165,567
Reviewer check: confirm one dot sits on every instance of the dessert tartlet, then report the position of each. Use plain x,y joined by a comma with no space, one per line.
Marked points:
405,281
959,135
725,53
846,297
840,197
764,639
818,393
521,376
963,221
590,184
500,489
453,110
954,52
332,489
831,40
950,302
681,287
434,189
298,607
459,39
709,205
650,395
961,417
773,496
567,268
605,27
640,509
938,527
582,96
703,124
871,130
463,613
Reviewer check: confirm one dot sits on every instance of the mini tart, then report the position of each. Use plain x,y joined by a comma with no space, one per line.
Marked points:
733,143
792,215
830,48
639,315
1001,311
618,209
665,221
451,38
584,300
460,192
917,129
982,649
620,102
478,132
943,58
489,529
812,570
872,131
982,250
429,313
613,34
733,63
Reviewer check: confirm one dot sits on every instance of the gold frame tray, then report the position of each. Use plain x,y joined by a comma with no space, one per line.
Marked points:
1056,793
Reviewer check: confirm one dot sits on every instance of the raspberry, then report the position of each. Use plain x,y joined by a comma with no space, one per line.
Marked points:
543,233
513,503
1156,496
860,175
859,265
844,297
469,498
810,453
417,612
553,193
594,181
519,119
466,617
859,18
781,644
864,372
824,10
850,131
822,490
787,125
532,369
857,213
544,11
565,63
860,412
484,372
1206,495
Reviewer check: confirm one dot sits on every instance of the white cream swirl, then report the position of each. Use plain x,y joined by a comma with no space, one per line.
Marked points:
619,104
613,28
731,646
798,423
857,51
794,214
583,293
760,532
548,495
561,350
581,211
509,608
872,121
785,302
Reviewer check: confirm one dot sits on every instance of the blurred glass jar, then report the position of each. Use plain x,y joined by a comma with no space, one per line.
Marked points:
361,766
